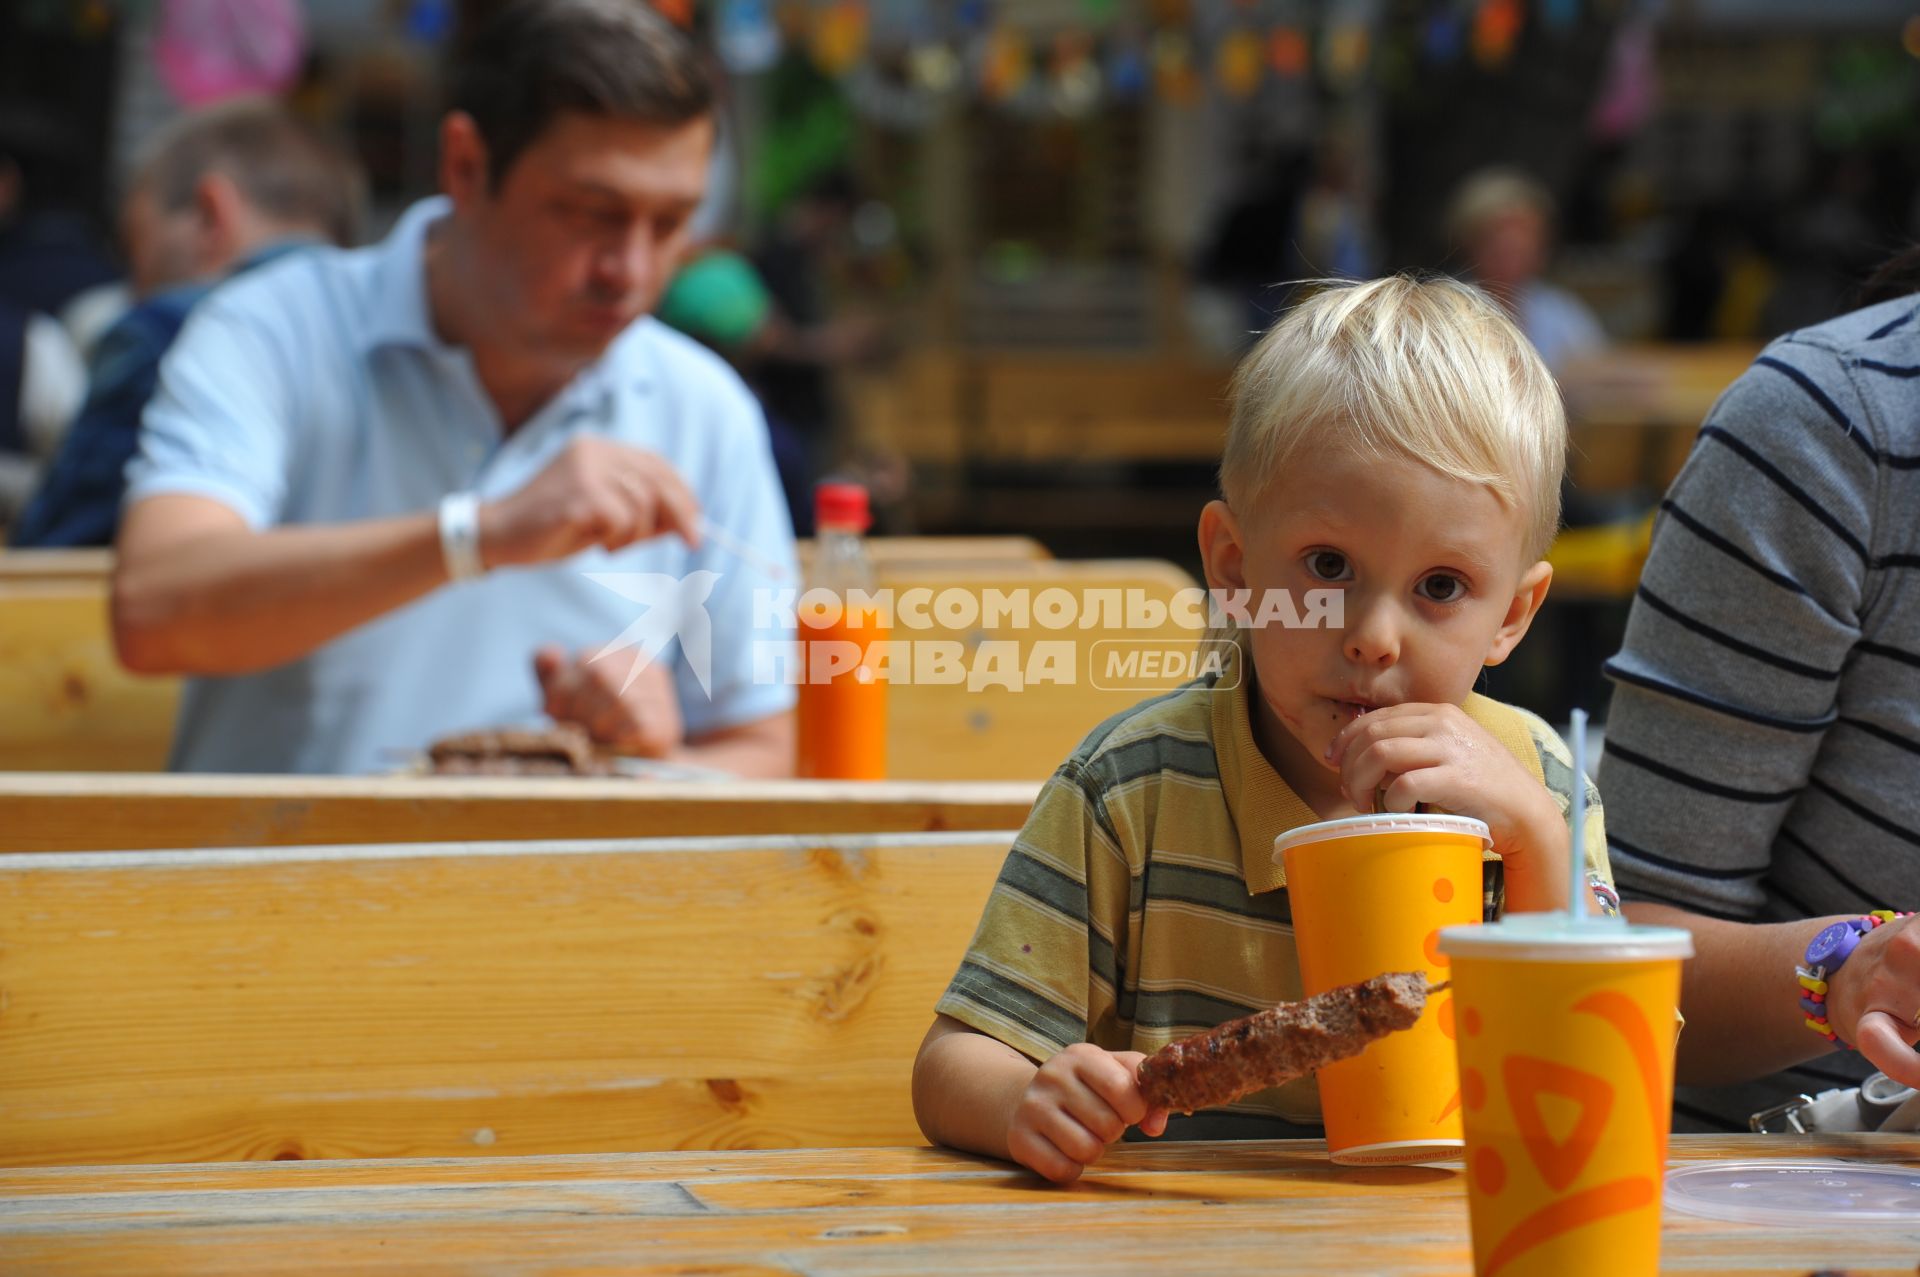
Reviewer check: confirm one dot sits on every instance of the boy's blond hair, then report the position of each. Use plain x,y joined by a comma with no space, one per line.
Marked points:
1428,369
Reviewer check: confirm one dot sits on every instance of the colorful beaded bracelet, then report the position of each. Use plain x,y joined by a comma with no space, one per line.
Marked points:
1824,956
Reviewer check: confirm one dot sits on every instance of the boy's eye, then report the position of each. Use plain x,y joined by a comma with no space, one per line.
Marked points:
1442,588
1328,565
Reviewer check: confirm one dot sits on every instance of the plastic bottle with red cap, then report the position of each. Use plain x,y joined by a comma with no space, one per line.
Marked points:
843,698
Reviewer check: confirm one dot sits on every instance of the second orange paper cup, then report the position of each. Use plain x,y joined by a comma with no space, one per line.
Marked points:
1369,895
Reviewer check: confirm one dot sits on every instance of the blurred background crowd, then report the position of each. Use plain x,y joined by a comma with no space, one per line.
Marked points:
997,259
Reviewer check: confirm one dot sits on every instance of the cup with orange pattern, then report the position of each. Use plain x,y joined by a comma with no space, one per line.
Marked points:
1566,1039
1371,894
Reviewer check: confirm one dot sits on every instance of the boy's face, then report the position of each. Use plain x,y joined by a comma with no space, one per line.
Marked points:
1434,584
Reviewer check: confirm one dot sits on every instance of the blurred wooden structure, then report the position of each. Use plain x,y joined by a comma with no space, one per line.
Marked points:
953,406
1634,410
66,705
960,731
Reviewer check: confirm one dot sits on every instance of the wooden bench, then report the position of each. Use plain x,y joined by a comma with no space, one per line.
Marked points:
82,811
67,705
48,567
955,731
441,1000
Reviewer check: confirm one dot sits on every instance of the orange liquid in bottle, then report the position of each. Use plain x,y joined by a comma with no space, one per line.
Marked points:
842,720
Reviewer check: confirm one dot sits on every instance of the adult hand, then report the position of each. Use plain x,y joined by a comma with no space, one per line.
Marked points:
643,719
594,493
1874,1000
1078,1103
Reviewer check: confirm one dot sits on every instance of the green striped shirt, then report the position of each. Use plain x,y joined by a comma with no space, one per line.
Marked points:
1141,904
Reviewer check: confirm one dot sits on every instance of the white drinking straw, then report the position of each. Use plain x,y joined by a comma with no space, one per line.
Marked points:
1578,874
740,549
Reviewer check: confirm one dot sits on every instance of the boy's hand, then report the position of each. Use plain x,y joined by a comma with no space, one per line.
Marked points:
1080,1101
1395,759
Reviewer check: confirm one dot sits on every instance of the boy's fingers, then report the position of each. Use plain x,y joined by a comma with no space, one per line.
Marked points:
1113,1080
1154,1123
1398,720
1037,1154
1061,1129
1095,1114
1405,794
1367,770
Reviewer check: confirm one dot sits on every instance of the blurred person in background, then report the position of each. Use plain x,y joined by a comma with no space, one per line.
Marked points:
811,335
222,191
48,254
48,257
1254,249
718,299
372,485
1501,222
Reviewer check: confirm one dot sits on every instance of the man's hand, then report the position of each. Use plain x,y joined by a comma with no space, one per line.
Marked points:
1397,758
594,493
643,720
1079,1102
1873,1000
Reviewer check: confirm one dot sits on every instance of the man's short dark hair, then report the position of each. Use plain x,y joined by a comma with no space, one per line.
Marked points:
283,166
528,61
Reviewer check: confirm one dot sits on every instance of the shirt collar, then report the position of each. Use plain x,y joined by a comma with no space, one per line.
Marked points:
398,315
273,252
1263,806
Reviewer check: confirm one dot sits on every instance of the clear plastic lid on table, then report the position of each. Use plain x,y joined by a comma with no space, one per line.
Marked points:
1798,1193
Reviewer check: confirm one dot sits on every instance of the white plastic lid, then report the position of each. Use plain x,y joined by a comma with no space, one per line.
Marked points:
1389,823
1550,937
1823,1193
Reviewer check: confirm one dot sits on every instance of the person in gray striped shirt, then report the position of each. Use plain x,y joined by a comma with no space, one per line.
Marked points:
1762,763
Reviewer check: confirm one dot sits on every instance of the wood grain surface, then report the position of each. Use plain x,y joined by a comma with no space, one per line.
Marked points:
474,999
82,811
1146,1209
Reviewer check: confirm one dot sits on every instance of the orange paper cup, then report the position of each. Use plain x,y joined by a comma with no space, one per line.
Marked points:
1566,1069
1369,895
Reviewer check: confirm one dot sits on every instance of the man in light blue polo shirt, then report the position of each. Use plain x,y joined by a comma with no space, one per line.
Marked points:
378,491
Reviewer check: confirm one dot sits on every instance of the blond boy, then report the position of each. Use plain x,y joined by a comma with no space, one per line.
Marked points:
1397,440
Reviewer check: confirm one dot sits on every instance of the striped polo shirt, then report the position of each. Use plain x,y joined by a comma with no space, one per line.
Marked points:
1763,744
1141,904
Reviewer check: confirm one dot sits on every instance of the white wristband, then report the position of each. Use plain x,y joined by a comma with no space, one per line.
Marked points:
460,536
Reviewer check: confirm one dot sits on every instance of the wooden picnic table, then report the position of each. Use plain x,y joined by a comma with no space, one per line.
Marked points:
1151,1209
